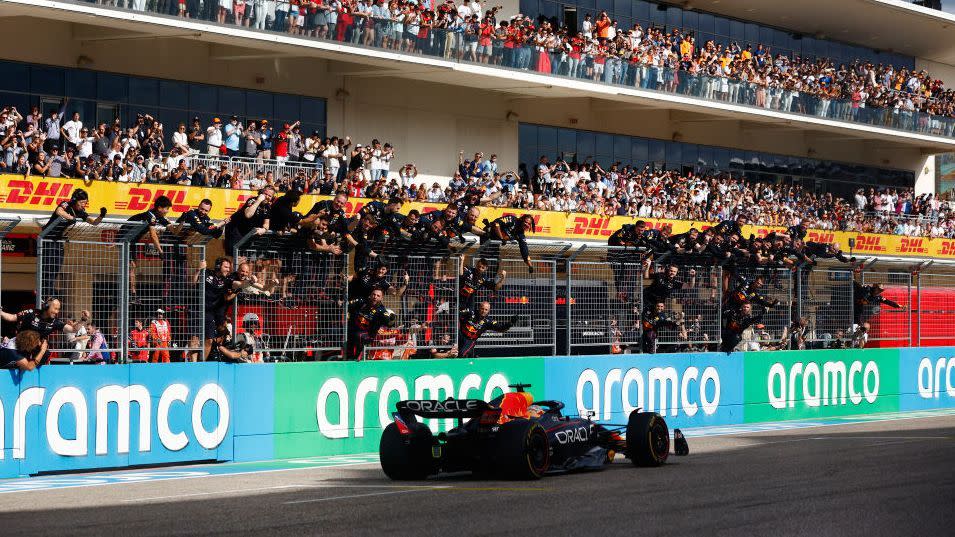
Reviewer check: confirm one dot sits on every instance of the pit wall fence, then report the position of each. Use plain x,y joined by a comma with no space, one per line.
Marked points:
20,194
71,418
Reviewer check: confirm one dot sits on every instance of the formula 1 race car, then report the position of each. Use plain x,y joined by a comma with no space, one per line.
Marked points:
515,437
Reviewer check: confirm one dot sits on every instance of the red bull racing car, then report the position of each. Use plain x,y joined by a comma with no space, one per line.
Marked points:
515,437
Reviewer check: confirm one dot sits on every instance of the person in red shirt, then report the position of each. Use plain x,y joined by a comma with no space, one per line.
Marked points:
281,141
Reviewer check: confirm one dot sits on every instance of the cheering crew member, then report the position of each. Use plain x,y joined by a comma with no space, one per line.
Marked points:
731,227
511,228
380,211
160,337
467,223
372,277
819,250
473,279
626,268
138,342
365,317
867,299
282,215
475,322
220,291
198,220
334,210
735,321
27,352
65,215
155,218
655,319
799,231
747,292
628,235
656,240
663,284
44,320
252,215
369,240
686,243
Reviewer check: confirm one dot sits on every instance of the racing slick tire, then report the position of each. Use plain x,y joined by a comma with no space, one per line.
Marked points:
406,457
648,439
522,450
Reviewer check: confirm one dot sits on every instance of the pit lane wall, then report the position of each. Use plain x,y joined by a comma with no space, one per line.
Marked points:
74,417
41,195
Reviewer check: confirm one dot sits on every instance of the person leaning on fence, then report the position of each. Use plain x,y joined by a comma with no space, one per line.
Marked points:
511,228
473,323
654,319
27,352
155,218
867,299
365,317
44,320
198,221
65,215
252,215
375,276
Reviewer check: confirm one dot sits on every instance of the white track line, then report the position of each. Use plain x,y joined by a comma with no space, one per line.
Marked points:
351,496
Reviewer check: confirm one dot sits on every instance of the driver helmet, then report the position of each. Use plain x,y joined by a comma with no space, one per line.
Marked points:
535,411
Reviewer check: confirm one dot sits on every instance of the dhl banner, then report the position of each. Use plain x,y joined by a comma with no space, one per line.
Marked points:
41,195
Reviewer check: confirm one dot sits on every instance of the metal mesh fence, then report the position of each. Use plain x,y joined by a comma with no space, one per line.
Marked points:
604,299
166,305
777,287
531,296
7,225
424,294
891,327
825,300
694,302
292,305
936,309
86,268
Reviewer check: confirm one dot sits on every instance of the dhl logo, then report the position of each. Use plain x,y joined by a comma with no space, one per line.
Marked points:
869,243
229,211
583,225
947,248
141,199
911,245
821,236
42,193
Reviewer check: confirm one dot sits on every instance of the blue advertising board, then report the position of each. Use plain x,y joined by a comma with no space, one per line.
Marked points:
687,389
927,378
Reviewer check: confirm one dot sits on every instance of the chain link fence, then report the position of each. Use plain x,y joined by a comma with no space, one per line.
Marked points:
825,300
424,293
86,267
774,287
293,303
935,309
603,299
166,304
891,327
7,225
692,300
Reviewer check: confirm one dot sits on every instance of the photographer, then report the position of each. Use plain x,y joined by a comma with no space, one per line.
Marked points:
219,350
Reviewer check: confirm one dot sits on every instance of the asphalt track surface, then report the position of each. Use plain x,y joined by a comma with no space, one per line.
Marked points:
873,479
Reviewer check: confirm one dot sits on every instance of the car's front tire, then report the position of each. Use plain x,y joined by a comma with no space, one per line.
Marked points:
407,457
648,439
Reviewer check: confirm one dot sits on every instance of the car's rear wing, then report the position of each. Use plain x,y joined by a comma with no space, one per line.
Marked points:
449,408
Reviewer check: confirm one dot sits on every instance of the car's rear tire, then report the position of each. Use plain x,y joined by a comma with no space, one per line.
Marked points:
407,457
522,450
648,439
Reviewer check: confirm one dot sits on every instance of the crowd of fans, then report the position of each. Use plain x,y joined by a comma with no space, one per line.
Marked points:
251,155
647,57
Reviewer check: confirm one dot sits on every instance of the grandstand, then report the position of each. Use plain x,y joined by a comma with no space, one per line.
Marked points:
585,115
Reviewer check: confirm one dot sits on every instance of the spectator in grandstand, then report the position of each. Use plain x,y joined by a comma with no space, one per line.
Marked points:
473,323
27,353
